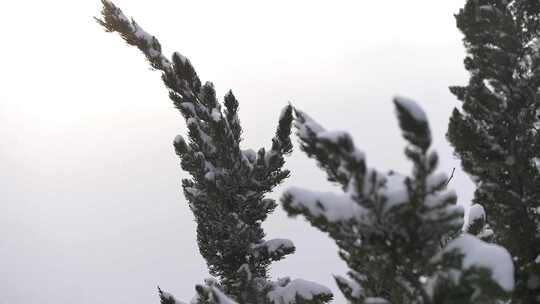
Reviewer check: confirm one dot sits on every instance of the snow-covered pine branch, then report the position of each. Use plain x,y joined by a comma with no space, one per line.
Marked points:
477,223
389,227
227,188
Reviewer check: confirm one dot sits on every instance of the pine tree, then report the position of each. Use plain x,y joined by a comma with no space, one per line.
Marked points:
496,133
397,234
227,188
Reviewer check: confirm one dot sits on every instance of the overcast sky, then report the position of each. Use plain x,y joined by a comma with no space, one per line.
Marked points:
91,205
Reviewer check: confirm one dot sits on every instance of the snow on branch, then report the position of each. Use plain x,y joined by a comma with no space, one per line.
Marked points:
475,253
476,212
218,297
324,205
276,248
114,20
334,151
286,291
178,74
413,122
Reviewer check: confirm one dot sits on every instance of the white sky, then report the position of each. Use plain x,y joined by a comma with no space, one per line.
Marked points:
91,205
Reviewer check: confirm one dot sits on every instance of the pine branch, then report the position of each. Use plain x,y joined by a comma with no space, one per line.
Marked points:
227,185
391,228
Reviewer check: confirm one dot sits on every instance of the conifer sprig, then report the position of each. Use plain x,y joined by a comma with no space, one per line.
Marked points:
392,229
227,188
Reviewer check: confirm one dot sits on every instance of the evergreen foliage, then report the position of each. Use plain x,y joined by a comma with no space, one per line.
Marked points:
496,133
227,188
393,231
477,224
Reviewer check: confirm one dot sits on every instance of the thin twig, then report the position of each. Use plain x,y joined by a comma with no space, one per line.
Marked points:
450,178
